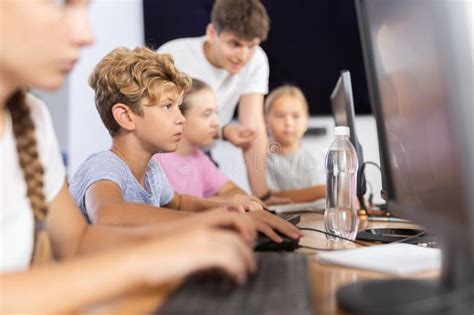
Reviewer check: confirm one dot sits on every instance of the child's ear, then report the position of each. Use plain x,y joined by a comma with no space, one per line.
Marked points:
123,116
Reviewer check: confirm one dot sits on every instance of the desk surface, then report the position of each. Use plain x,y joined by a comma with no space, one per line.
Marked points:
325,279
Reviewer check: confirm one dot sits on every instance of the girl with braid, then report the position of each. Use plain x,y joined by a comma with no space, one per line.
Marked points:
50,259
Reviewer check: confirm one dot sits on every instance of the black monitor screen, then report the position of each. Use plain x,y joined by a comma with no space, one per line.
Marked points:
418,59
342,105
418,62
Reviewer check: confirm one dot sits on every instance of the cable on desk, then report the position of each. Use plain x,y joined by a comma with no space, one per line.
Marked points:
371,192
360,197
409,238
372,163
356,242
331,234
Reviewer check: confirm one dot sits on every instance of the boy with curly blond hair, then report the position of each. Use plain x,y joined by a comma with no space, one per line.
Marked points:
138,93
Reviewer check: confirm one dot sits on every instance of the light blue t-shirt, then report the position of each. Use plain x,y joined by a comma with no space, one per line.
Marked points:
106,165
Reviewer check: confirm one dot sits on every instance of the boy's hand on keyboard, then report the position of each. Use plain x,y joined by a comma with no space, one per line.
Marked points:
216,218
228,220
267,223
250,203
198,248
241,207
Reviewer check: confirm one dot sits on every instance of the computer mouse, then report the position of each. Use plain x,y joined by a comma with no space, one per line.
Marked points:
265,244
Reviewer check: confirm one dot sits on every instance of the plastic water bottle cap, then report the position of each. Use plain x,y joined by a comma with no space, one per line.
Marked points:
342,131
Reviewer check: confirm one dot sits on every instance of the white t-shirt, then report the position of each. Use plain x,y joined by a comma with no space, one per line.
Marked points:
16,216
188,54
303,169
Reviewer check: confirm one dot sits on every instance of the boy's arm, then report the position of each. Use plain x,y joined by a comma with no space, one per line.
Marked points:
264,221
233,193
230,189
86,280
303,194
196,204
251,115
105,205
77,237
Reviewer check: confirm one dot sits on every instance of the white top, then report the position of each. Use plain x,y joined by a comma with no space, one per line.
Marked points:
188,54
16,216
302,169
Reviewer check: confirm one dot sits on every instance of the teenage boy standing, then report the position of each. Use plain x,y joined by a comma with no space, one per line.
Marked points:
229,59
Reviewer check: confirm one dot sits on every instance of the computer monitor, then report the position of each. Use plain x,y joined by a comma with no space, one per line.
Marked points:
419,64
342,104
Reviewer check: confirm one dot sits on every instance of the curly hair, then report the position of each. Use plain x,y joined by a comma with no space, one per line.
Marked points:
248,19
128,76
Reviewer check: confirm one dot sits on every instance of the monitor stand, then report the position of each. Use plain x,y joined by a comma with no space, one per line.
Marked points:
451,294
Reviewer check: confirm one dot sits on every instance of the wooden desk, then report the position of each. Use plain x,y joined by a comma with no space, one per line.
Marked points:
325,279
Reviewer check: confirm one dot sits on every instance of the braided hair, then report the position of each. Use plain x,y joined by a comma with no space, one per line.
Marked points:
33,172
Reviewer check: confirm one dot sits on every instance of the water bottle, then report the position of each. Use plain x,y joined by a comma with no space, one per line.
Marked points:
340,215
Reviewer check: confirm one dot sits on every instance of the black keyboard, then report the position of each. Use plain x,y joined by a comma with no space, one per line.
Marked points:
279,287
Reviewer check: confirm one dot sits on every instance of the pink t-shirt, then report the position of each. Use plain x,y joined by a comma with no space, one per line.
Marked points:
194,174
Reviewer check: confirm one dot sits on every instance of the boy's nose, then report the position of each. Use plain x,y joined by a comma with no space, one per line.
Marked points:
180,120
